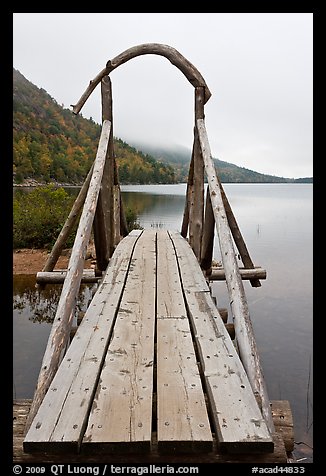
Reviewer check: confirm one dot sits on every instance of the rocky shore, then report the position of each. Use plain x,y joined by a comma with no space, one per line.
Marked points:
34,183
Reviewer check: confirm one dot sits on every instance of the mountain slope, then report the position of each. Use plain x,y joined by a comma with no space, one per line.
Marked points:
179,157
50,143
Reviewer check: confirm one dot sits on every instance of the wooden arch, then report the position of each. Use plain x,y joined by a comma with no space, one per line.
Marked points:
193,218
176,58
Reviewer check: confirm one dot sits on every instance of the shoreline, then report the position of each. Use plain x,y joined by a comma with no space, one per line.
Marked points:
31,261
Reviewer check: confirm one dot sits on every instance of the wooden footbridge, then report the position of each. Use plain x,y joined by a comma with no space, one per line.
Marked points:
154,370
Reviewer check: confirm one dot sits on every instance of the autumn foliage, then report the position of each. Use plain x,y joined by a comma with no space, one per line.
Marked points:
51,144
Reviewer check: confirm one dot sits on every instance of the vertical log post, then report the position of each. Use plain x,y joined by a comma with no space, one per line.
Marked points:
190,181
102,226
196,211
123,221
208,236
116,205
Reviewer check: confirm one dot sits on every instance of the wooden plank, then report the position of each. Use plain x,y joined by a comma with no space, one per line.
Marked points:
238,301
61,326
182,419
283,421
182,422
238,421
20,412
121,414
170,302
59,422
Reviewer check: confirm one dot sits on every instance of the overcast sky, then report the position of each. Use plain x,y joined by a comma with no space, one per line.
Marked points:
258,67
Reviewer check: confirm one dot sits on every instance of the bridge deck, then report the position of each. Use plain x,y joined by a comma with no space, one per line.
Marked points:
151,360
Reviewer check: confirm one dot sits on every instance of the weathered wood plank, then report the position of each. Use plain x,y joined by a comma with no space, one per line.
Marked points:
283,421
238,422
182,420
59,422
170,302
20,412
121,415
238,301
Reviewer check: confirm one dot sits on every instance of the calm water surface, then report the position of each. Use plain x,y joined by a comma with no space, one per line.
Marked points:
276,223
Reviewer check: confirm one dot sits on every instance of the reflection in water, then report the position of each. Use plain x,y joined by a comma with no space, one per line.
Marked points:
156,211
276,223
33,314
41,304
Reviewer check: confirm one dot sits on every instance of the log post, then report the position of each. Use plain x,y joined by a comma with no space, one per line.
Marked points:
196,212
102,226
60,331
208,236
189,192
123,222
116,205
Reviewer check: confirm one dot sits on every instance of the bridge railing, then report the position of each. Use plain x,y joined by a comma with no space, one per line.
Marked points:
237,297
60,330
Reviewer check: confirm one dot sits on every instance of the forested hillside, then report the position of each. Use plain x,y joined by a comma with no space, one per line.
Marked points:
179,157
50,143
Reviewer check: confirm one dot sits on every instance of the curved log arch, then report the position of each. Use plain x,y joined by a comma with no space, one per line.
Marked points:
176,58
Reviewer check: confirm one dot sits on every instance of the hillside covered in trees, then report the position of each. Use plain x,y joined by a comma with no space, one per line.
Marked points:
179,157
50,143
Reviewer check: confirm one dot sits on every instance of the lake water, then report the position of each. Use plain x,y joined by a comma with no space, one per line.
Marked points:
276,223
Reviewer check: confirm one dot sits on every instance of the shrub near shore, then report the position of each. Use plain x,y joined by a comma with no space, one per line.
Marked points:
39,215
